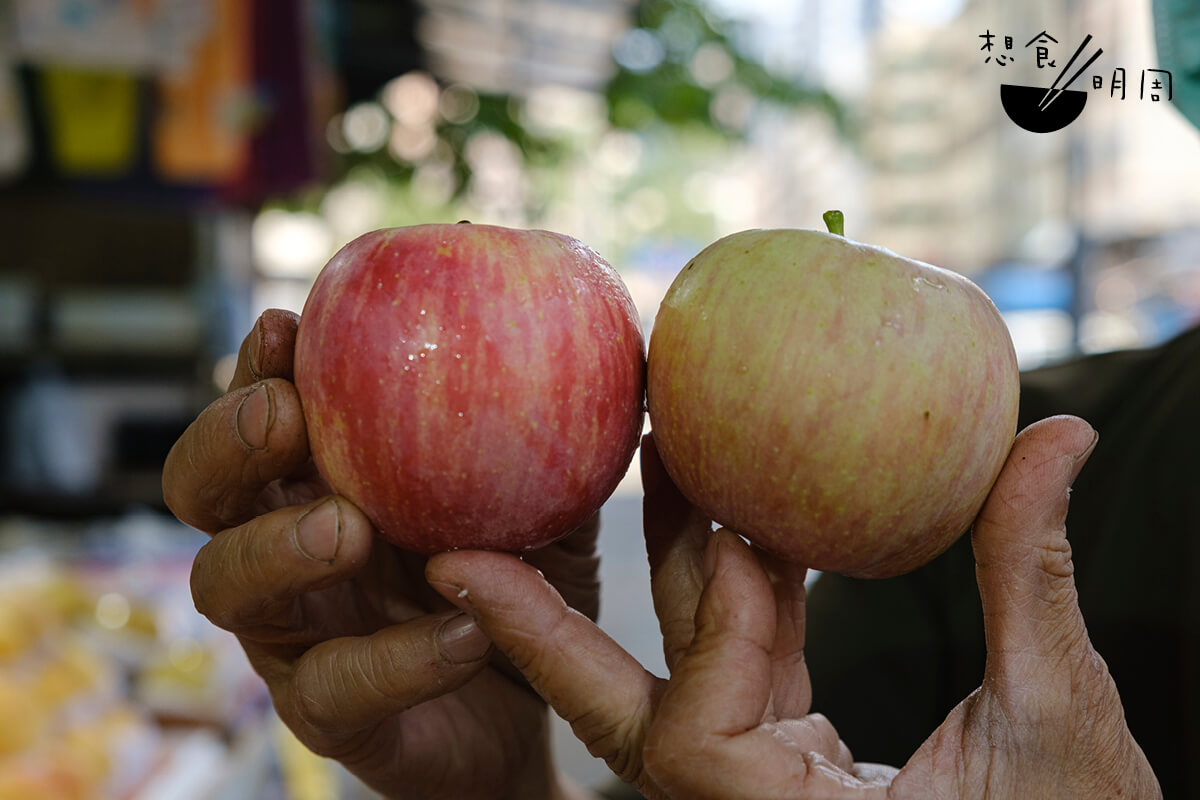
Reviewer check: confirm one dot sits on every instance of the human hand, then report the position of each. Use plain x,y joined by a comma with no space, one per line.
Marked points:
733,720
364,662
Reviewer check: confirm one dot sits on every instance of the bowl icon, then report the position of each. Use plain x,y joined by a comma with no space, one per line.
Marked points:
1027,107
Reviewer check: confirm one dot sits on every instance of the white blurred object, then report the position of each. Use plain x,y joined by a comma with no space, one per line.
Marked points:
365,126
1049,243
929,13
49,449
412,98
132,321
1104,331
498,47
288,295
192,770
1040,336
17,303
350,209
125,34
290,244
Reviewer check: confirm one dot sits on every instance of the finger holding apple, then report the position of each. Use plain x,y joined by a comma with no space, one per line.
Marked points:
340,624
839,405
733,718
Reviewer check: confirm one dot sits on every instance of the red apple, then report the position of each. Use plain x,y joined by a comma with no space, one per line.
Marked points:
471,386
839,405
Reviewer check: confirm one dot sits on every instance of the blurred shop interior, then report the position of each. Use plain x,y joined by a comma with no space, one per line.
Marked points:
170,168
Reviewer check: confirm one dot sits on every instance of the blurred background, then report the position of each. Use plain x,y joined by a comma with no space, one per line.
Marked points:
170,168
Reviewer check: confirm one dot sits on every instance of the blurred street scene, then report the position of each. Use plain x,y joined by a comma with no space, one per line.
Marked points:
170,168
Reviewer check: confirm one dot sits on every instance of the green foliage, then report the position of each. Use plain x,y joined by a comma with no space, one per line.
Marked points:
667,89
680,75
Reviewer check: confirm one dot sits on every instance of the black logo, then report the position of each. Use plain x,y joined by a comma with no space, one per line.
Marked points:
1040,110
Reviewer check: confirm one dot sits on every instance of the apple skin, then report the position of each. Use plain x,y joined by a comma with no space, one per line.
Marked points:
838,405
471,386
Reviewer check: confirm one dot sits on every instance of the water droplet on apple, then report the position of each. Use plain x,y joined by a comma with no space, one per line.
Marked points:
743,369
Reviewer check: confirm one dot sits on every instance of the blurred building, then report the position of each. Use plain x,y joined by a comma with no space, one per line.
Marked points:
1138,157
953,180
498,46
958,180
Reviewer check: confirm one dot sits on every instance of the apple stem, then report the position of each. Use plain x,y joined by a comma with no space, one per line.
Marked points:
835,221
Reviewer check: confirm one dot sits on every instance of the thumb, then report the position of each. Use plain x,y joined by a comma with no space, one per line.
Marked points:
1023,560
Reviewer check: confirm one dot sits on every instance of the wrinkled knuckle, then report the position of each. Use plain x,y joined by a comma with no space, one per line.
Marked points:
528,656
308,704
226,584
187,483
1056,557
618,742
381,671
530,653
679,631
681,627
256,601
224,506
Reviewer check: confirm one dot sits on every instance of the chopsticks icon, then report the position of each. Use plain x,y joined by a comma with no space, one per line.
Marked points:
1052,93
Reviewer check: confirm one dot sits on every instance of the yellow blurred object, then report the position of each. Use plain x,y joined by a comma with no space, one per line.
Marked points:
90,748
306,775
92,119
24,719
18,630
184,664
143,620
67,597
74,670
42,780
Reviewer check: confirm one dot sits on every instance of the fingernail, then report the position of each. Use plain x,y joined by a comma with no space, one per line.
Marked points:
461,640
318,532
254,418
254,351
1083,455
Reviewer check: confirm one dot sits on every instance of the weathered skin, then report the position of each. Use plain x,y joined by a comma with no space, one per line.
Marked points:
840,406
497,401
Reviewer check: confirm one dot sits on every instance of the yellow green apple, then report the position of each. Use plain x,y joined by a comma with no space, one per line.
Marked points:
839,405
